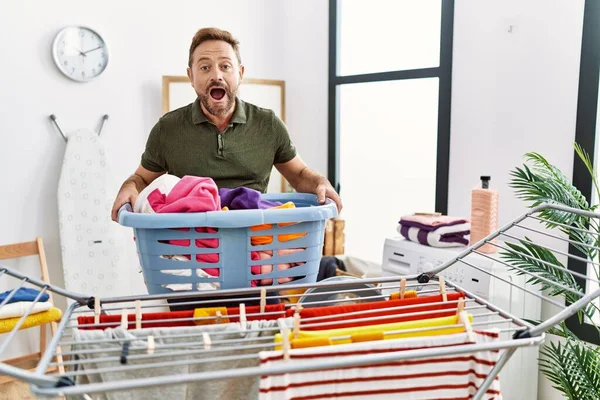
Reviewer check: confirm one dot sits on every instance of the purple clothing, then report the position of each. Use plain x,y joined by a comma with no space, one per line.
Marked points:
423,237
243,198
430,228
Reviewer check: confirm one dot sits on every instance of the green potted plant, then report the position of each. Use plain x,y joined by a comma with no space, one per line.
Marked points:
572,365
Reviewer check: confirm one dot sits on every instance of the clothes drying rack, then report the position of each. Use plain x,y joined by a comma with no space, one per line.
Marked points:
523,239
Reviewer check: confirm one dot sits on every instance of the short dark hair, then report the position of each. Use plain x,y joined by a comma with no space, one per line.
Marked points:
206,34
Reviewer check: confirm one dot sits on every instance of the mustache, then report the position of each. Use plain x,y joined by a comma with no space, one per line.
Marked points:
221,85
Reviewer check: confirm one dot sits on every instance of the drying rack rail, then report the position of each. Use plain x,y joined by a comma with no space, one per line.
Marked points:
141,360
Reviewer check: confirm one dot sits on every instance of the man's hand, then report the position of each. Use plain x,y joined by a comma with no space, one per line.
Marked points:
127,194
325,190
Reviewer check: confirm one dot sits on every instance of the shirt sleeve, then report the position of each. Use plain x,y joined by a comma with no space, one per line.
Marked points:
285,150
153,158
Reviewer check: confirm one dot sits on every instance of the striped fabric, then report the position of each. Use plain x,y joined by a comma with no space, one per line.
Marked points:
446,378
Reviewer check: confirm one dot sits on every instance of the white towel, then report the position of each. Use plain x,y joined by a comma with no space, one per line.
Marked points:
19,308
455,376
164,183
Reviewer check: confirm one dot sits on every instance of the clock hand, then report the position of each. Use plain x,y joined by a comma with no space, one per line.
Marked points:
81,53
85,52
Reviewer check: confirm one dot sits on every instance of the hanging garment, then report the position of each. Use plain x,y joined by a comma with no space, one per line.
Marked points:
407,329
182,318
445,377
87,349
98,255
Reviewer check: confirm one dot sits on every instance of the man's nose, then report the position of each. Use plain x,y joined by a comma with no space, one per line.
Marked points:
217,75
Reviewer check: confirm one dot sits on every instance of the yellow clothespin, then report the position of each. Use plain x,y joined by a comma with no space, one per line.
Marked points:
96,310
124,323
296,331
263,300
243,316
218,315
206,340
151,345
402,288
443,288
138,314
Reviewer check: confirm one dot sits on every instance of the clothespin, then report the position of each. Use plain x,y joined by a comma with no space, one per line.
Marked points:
243,316
124,324
263,300
151,345
124,352
443,288
285,335
206,340
460,307
296,331
402,288
218,319
463,318
96,310
138,314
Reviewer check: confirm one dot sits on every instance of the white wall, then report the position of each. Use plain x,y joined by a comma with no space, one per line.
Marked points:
512,93
146,41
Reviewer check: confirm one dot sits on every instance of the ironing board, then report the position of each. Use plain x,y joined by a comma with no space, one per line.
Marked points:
98,254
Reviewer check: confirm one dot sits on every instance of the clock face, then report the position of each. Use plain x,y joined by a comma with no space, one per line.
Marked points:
80,53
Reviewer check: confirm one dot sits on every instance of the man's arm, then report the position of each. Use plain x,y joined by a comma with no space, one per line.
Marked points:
306,180
132,187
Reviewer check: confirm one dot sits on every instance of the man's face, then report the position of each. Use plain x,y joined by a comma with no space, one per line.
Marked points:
216,76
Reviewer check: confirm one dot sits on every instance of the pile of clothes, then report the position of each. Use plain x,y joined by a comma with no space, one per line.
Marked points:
170,194
26,301
435,230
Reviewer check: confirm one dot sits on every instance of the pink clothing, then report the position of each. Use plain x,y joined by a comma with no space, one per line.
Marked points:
191,194
267,268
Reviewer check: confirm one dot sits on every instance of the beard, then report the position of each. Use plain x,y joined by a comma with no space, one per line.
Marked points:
221,108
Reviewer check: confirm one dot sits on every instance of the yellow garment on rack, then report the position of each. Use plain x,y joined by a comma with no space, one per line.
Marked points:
409,294
210,312
344,335
52,315
262,240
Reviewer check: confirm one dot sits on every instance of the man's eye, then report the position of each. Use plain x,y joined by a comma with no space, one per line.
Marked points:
226,66
204,68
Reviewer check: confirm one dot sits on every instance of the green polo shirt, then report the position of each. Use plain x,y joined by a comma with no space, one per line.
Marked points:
185,142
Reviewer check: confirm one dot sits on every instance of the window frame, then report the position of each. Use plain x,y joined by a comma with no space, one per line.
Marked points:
443,72
585,135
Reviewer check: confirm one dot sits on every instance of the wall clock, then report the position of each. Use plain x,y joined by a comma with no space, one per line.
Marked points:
80,53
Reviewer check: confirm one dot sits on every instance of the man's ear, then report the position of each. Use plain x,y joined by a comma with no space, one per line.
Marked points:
190,75
242,69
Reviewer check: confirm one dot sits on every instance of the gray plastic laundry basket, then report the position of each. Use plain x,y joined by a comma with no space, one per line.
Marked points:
156,233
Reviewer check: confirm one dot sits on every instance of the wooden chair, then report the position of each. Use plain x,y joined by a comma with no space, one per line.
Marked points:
30,361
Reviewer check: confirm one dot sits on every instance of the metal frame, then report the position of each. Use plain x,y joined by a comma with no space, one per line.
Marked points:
443,72
484,314
585,135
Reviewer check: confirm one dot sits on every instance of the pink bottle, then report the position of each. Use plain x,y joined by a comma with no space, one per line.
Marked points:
484,214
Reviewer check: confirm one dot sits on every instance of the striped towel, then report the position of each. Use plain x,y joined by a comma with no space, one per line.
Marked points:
445,377
435,231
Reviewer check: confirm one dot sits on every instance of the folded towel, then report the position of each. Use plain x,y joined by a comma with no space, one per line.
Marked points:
23,294
447,236
53,314
431,222
19,308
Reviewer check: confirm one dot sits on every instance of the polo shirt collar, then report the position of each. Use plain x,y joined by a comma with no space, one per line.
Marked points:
239,115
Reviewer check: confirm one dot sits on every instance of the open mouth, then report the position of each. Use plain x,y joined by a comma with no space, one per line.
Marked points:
217,93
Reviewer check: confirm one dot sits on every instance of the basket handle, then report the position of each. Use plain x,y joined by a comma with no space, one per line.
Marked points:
125,207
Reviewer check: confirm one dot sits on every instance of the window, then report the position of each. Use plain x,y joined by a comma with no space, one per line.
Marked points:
586,134
389,114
